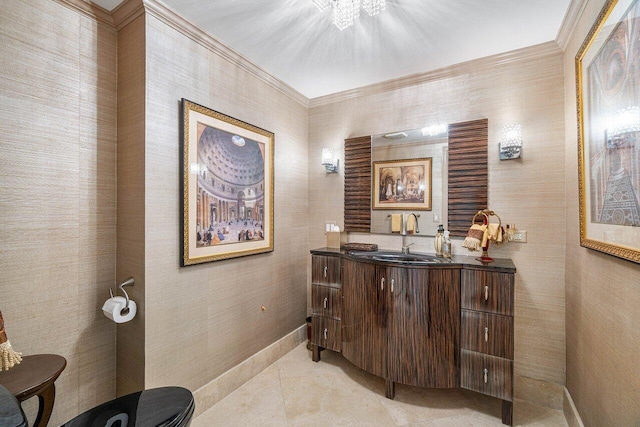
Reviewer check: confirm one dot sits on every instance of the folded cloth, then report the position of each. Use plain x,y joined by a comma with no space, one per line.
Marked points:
474,238
411,224
396,223
492,234
8,356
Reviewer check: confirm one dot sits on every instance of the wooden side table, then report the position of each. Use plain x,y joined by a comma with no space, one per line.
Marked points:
35,376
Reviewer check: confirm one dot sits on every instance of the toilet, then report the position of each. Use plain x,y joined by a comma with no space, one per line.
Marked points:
11,413
163,406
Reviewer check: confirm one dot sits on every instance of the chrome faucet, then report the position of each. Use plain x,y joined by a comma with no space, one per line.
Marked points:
403,230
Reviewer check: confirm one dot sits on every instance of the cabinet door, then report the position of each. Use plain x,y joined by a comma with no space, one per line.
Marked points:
424,327
326,332
364,316
487,374
487,333
487,291
325,270
326,301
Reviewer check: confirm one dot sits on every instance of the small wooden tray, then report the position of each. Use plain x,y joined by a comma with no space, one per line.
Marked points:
367,247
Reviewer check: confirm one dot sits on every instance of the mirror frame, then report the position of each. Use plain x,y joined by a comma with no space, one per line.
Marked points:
468,178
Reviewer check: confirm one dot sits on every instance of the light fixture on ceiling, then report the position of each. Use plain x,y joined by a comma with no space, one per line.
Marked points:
511,142
435,130
346,11
329,160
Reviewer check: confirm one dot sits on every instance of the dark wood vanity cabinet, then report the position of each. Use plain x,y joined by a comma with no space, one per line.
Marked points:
486,355
402,324
437,326
326,303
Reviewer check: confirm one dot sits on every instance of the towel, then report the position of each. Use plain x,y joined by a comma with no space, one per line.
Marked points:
8,356
474,237
411,224
493,233
396,223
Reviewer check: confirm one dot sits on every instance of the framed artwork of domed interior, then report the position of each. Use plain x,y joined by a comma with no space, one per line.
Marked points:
402,184
227,186
608,105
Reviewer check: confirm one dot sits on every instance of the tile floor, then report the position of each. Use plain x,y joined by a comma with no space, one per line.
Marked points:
294,391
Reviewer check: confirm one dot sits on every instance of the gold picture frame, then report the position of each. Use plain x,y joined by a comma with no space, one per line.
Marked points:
402,184
227,186
608,110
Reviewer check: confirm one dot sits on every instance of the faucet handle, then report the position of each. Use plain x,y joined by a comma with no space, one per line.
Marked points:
405,249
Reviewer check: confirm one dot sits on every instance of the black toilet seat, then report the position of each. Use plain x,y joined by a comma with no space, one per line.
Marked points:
157,407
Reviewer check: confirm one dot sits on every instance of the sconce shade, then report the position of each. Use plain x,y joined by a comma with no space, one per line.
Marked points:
511,142
329,161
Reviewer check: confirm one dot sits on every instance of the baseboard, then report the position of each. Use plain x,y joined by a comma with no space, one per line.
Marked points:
570,411
216,390
542,393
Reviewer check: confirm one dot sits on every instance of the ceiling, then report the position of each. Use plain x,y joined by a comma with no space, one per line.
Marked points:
297,43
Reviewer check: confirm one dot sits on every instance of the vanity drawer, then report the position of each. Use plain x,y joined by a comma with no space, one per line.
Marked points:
326,332
325,270
486,374
487,291
326,301
487,333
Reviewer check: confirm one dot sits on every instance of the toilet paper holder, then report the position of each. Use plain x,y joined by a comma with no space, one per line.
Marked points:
129,282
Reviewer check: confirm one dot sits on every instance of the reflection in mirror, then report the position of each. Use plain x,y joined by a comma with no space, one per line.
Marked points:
407,145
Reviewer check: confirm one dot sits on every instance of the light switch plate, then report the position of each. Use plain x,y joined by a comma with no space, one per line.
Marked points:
519,236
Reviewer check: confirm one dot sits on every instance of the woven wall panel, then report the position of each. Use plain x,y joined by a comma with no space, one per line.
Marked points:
357,184
468,173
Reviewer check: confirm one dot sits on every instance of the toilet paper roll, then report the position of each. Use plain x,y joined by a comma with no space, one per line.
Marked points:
113,307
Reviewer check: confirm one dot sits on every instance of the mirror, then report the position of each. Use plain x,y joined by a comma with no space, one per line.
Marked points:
407,186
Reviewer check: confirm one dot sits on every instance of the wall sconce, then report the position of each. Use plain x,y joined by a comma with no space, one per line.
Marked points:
511,142
329,160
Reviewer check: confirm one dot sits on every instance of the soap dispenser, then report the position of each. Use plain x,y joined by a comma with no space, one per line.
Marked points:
446,246
439,240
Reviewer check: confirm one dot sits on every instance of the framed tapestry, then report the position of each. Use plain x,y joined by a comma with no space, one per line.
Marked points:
227,186
608,105
402,184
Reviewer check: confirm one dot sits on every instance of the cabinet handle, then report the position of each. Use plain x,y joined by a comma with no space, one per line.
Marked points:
382,284
486,293
486,334
326,333
486,374
325,302
325,271
392,285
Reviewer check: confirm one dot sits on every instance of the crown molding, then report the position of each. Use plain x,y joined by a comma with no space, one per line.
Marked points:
469,67
126,12
88,9
171,18
569,22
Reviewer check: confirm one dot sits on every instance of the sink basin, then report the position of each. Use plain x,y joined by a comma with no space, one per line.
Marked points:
400,258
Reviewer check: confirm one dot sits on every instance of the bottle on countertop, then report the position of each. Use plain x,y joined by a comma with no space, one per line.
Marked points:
439,240
446,246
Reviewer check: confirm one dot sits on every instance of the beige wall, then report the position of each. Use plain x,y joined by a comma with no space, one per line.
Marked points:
203,320
524,87
58,193
602,294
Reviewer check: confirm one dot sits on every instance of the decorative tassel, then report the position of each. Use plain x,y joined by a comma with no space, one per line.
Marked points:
8,356
474,238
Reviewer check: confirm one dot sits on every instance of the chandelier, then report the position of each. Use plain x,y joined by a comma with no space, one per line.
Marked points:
346,11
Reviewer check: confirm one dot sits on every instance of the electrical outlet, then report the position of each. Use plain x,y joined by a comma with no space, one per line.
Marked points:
519,236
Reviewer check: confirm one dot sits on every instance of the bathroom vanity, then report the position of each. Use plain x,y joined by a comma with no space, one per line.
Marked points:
417,319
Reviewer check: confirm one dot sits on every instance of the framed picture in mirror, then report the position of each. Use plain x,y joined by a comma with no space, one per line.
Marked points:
402,184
